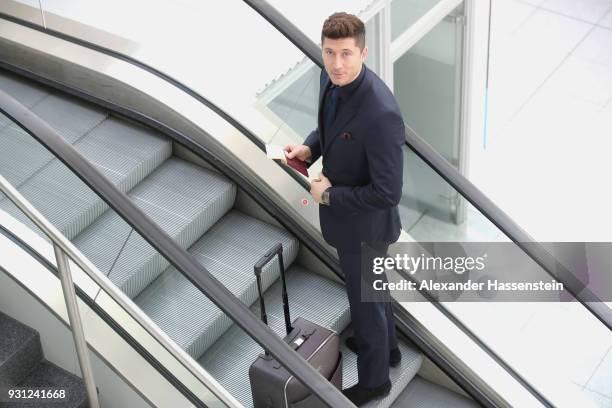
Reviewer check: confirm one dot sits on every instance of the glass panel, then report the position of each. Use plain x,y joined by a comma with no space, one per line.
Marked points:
309,16
295,102
557,119
425,203
404,13
294,98
427,84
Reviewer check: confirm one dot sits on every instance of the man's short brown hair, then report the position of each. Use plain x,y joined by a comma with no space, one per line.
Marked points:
344,25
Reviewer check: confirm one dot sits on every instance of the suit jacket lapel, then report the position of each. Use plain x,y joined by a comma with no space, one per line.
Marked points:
324,85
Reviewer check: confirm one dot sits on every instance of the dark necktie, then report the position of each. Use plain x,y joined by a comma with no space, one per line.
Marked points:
330,109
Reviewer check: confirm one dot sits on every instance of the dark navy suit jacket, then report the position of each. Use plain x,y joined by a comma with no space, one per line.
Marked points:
362,157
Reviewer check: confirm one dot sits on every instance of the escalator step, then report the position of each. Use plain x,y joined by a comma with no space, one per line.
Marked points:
26,92
399,376
185,200
421,393
22,155
66,201
228,251
70,117
124,152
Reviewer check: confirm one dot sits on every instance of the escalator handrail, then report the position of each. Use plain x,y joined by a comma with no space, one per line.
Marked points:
167,247
457,180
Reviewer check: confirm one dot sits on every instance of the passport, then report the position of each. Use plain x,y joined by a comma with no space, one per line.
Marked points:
277,153
298,165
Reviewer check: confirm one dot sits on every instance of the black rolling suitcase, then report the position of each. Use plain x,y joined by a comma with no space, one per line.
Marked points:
272,386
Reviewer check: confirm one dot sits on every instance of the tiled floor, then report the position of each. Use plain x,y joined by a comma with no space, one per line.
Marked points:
607,21
559,106
550,117
600,382
600,399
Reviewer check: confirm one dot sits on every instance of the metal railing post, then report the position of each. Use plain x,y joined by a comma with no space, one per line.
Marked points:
76,326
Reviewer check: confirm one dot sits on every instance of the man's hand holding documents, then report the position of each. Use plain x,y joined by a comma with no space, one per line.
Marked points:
276,152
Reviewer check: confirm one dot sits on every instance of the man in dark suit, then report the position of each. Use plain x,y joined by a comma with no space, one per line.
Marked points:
360,135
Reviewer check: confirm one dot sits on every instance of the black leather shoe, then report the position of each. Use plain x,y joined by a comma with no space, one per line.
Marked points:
360,395
395,355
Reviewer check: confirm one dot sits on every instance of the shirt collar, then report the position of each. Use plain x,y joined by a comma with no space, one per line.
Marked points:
345,91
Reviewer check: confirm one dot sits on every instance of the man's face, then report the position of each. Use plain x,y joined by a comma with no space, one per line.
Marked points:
343,59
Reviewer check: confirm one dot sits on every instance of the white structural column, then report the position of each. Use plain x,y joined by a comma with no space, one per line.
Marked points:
384,37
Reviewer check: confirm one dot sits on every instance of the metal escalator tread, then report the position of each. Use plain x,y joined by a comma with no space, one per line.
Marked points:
22,155
26,92
311,296
421,393
70,117
228,251
185,200
400,376
66,201
124,152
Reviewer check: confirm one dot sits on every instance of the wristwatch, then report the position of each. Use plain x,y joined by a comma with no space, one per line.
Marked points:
325,197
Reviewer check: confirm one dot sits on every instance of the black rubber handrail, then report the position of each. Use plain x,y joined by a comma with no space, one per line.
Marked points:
167,247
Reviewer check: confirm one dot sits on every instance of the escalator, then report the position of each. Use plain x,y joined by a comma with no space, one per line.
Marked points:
196,206
225,222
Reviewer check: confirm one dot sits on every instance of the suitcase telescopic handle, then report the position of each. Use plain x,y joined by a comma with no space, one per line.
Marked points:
277,250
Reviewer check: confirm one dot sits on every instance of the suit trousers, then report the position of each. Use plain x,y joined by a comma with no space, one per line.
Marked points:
371,316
